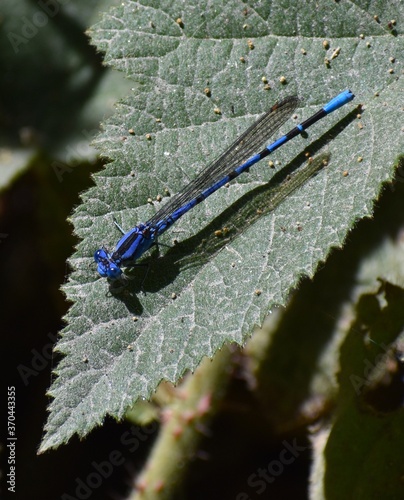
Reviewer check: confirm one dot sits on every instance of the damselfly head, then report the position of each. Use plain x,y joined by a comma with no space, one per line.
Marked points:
106,267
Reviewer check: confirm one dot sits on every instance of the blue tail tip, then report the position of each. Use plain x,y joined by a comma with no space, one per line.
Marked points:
349,95
338,101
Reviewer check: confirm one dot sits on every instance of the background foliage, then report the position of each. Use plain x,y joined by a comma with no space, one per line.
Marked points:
335,344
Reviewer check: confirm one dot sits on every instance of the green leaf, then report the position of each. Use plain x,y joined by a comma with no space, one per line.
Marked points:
206,291
369,416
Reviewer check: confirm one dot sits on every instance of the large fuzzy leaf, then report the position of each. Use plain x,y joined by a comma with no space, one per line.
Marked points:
205,291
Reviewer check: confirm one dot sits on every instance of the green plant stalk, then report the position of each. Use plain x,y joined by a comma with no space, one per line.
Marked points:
181,433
